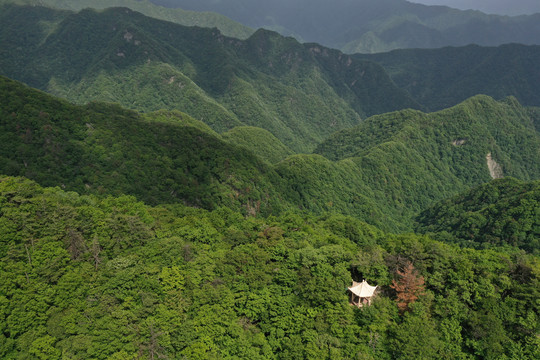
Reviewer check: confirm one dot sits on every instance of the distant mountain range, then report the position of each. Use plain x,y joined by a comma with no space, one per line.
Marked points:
268,81
227,26
364,26
504,7
440,78
369,26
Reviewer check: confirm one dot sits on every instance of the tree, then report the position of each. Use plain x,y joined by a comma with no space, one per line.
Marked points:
408,287
43,348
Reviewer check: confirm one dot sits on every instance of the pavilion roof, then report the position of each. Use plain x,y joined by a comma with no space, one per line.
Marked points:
362,289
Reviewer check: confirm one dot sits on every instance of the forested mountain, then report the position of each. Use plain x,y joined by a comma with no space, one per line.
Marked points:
440,78
368,26
161,157
225,25
502,212
183,222
409,159
164,157
111,278
300,93
390,167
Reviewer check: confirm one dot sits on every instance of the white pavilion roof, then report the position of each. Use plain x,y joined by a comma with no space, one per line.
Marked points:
362,289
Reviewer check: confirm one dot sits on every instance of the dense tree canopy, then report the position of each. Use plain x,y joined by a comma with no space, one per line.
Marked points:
160,235
111,278
499,213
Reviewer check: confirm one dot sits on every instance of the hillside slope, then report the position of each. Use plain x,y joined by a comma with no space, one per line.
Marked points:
300,93
501,213
384,172
410,159
163,157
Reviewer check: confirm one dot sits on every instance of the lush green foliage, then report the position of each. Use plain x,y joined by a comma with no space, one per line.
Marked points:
368,26
389,169
88,271
161,157
300,93
440,78
503,212
261,142
110,278
179,16
409,159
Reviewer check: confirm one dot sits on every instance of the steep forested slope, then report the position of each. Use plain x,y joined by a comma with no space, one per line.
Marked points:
440,78
162,157
111,278
188,18
373,25
384,171
259,141
410,159
300,93
502,212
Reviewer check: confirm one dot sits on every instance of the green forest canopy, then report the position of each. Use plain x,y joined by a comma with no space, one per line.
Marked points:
111,278
162,236
502,212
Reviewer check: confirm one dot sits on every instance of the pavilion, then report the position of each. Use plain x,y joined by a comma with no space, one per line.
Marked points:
361,293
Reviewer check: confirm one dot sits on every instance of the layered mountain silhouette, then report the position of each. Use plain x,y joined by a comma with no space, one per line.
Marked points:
301,93
440,78
368,26
225,25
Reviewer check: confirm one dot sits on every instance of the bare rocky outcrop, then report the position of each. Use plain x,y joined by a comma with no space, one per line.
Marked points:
495,169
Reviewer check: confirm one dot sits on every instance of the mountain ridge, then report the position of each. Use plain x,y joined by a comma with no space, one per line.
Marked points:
440,78
374,26
425,158
298,94
183,17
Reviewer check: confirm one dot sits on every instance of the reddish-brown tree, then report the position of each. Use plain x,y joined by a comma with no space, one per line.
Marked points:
408,286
